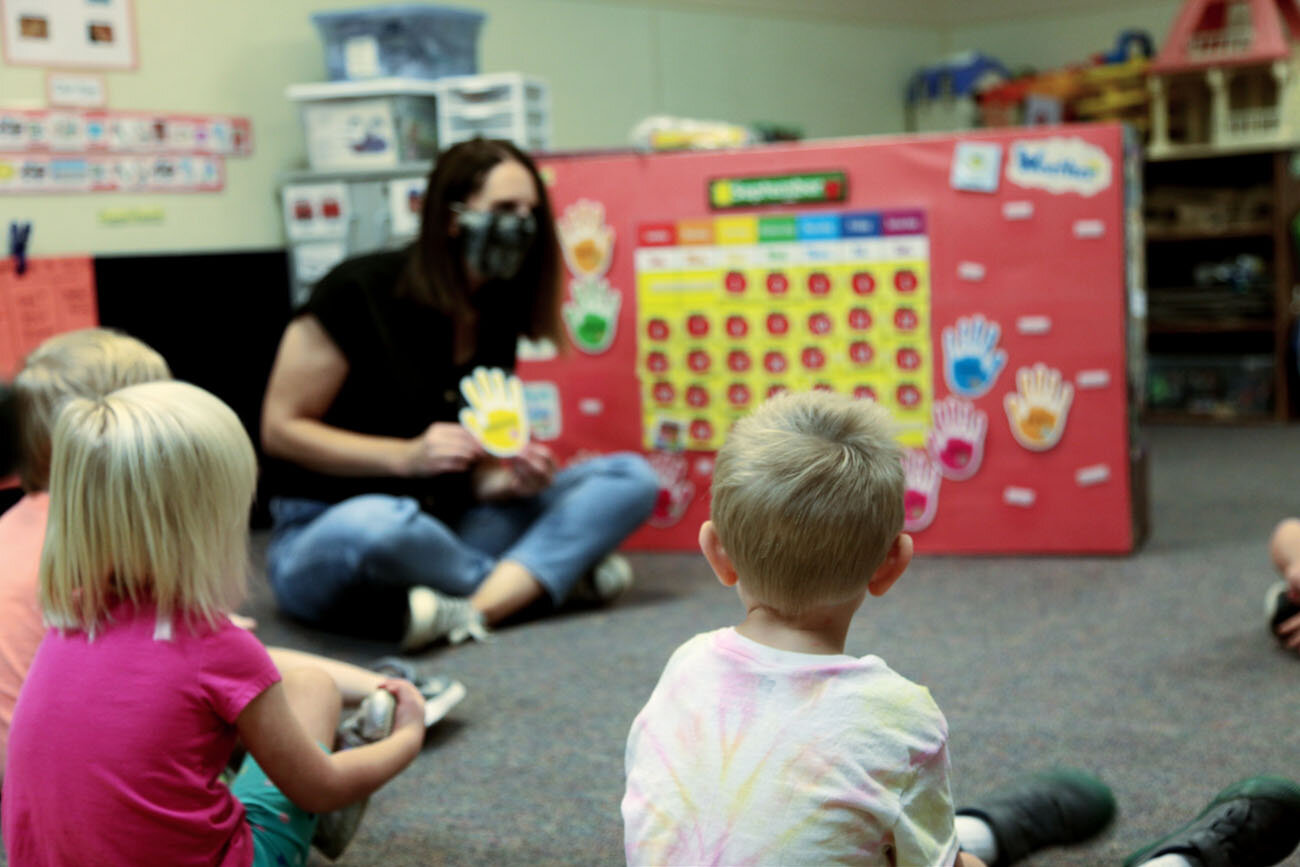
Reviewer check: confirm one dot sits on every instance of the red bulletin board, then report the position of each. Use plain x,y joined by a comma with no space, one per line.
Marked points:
984,277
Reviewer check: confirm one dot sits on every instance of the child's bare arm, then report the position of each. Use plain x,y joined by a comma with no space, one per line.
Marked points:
318,782
966,859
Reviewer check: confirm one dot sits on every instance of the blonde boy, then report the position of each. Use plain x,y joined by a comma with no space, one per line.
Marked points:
764,743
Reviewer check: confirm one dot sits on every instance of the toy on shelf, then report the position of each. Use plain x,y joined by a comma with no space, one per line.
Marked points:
1227,78
945,96
1111,87
1115,88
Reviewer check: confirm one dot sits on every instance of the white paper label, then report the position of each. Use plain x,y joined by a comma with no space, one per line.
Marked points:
361,57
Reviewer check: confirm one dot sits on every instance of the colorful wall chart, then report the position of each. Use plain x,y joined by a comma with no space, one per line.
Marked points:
81,151
734,309
974,285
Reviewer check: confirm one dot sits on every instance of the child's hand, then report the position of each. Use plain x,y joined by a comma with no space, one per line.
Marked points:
410,705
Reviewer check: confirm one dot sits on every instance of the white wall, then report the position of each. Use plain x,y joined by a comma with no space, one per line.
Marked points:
609,65
1048,39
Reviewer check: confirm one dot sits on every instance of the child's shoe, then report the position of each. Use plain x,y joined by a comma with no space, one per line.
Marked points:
1279,607
371,722
440,693
1253,823
1056,808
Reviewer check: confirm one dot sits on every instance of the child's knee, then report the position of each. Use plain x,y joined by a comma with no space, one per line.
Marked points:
312,684
1285,542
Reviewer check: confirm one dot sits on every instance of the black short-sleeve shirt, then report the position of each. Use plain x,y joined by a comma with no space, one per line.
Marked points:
401,374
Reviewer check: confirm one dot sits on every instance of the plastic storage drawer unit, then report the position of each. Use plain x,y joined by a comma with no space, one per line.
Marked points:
505,105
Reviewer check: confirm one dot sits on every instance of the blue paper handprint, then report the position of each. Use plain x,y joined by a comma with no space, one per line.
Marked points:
971,358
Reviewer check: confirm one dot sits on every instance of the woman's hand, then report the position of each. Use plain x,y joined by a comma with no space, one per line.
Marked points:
445,447
525,475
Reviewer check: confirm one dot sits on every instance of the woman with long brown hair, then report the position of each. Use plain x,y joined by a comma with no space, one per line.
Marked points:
391,519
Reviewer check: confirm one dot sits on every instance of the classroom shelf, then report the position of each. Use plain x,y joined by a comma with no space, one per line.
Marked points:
1248,197
1226,233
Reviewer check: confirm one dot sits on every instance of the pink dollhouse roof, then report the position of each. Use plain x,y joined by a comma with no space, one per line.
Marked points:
1210,33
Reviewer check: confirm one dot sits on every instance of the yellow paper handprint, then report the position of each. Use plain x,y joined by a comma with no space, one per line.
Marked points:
497,415
587,243
1037,410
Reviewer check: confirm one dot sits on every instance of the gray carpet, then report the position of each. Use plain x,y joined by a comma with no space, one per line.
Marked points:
1153,671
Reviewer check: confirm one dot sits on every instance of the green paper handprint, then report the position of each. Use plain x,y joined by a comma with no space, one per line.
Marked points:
592,314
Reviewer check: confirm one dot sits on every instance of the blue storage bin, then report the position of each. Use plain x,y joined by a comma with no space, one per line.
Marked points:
413,41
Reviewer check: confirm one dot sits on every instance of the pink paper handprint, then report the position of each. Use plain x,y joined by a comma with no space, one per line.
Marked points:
956,442
676,490
921,490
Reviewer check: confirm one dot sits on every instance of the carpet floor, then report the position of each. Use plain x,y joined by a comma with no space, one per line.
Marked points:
1153,671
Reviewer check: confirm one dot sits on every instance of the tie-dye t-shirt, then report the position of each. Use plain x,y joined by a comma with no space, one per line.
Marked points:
746,754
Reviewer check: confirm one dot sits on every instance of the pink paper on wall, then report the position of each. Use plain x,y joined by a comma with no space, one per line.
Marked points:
54,295
900,275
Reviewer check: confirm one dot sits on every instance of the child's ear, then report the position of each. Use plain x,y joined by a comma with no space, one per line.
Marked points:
711,545
896,562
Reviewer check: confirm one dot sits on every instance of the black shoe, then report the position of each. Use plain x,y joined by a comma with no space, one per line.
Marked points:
1055,808
1279,607
1253,823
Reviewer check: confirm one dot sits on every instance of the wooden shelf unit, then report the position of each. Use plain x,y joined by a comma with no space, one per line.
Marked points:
1171,248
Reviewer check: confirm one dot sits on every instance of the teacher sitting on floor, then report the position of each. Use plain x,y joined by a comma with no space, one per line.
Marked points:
391,520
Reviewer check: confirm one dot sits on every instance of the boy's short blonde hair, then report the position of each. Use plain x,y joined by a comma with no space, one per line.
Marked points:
88,363
808,498
150,490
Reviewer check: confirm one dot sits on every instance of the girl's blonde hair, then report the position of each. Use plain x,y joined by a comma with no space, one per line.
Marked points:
150,489
90,363
807,498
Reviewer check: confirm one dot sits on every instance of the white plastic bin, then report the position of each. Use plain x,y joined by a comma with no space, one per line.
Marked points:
506,105
410,41
368,124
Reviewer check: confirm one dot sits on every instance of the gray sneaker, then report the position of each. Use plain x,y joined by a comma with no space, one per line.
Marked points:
440,693
431,617
604,582
372,721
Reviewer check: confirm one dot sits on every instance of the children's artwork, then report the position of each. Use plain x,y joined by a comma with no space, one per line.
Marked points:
921,490
971,357
733,309
676,490
1038,409
585,239
52,296
956,440
497,414
591,314
87,34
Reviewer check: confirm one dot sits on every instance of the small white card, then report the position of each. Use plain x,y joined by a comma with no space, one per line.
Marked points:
976,166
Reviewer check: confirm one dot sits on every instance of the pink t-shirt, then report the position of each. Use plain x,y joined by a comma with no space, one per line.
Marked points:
118,742
22,531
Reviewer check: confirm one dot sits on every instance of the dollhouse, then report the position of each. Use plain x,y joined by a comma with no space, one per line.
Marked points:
1227,78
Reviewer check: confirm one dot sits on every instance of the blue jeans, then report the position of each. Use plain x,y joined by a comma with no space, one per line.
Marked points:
348,566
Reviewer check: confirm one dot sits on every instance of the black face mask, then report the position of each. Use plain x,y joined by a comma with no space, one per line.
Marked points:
495,244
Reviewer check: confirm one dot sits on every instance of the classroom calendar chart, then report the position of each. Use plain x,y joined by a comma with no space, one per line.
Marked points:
732,310
976,286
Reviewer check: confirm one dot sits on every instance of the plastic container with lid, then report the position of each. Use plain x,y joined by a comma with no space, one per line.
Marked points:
416,40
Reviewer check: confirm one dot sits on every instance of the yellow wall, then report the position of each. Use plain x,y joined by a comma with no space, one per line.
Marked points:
609,65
